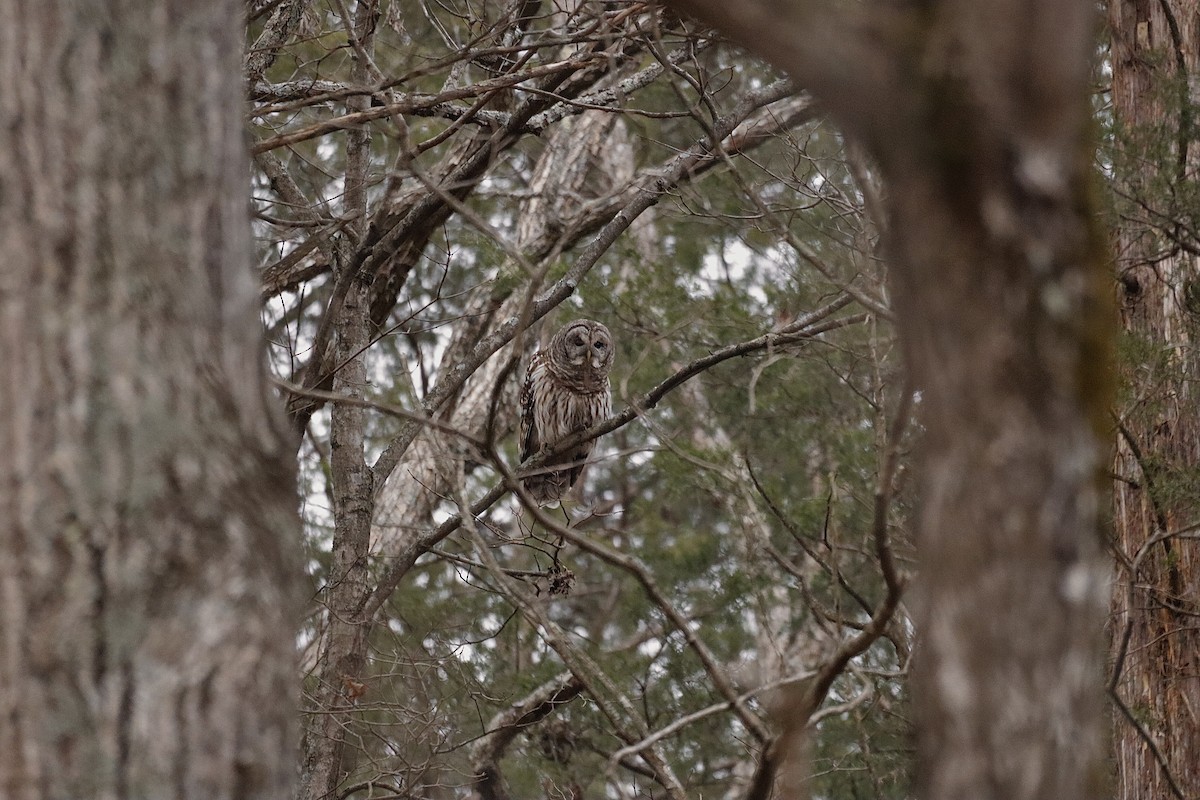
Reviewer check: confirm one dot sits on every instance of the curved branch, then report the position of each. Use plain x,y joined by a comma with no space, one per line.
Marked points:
504,727
1145,735
689,719
418,103
641,574
860,82
804,701
276,33
807,327
611,702
648,194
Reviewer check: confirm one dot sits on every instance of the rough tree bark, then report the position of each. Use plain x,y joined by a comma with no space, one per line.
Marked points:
326,760
149,559
1156,643
977,116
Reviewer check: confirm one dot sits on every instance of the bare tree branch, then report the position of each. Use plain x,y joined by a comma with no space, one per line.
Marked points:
401,562
649,194
861,82
504,727
276,33
611,701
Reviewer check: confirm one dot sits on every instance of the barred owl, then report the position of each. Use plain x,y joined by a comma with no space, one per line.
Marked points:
566,390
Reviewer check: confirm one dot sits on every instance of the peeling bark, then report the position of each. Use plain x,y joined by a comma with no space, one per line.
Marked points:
1156,643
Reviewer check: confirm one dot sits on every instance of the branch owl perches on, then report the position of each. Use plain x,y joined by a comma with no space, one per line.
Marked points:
566,390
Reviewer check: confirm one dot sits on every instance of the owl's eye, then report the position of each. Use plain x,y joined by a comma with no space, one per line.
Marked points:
577,341
599,345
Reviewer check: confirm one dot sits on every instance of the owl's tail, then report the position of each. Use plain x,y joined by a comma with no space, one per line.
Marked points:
547,488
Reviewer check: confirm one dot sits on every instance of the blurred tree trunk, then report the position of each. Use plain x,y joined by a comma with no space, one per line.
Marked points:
1155,51
977,114
148,560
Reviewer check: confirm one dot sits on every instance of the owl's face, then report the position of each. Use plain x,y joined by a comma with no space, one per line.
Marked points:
584,343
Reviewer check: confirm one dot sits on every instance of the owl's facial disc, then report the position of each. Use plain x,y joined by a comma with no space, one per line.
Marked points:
599,352
577,347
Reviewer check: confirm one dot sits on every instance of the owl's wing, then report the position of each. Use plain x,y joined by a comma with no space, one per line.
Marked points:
530,441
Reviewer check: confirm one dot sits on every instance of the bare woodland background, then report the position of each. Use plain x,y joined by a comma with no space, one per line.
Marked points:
867,295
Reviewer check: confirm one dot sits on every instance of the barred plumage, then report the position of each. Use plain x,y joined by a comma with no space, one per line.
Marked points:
566,390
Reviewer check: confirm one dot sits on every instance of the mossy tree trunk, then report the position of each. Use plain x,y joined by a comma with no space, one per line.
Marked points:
149,553
977,115
1156,599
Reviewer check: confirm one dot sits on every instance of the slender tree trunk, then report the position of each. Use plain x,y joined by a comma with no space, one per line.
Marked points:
327,760
1156,598
148,555
977,115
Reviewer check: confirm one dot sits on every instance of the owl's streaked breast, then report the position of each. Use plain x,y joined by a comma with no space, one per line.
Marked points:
561,397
